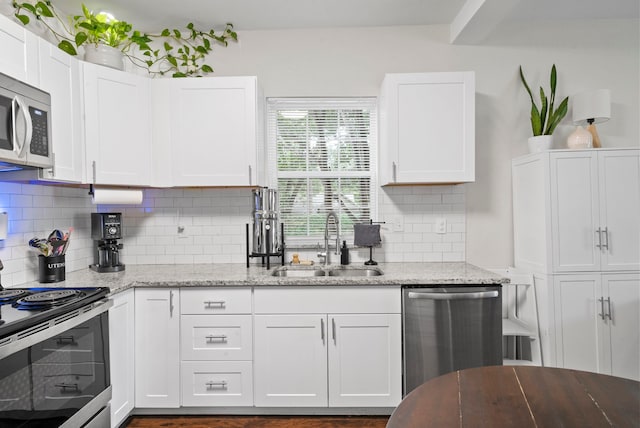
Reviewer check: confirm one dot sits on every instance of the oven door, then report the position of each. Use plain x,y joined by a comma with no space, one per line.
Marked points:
62,380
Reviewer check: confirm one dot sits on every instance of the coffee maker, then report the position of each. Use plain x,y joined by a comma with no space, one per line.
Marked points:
106,229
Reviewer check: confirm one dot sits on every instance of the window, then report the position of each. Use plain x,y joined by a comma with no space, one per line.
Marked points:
322,155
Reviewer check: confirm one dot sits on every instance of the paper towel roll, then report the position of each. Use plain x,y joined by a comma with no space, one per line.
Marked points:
116,197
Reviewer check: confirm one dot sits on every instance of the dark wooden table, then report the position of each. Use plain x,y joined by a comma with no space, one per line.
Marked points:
515,396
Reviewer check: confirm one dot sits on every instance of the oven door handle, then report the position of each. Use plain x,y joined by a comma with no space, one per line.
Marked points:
17,104
454,296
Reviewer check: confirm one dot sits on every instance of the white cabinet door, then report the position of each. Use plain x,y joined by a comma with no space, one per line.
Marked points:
117,126
619,174
578,317
60,77
157,344
19,57
207,131
595,206
121,355
622,324
427,128
290,360
365,360
575,211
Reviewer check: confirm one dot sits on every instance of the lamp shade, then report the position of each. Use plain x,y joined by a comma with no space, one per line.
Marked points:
594,106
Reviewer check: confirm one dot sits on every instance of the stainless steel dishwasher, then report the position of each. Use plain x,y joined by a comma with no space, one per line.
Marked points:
448,328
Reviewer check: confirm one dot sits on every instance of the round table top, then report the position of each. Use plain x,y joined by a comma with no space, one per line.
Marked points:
519,396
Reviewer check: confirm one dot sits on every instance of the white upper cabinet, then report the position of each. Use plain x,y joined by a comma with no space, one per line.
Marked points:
577,210
19,57
427,128
206,131
117,126
60,77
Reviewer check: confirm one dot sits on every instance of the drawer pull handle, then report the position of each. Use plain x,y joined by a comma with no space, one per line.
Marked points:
62,340
220,338
68,387
217,385
212,304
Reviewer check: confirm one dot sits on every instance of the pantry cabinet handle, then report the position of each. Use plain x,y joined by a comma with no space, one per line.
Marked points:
250,175
220,385
322,330
93,166
333,329
606,238
599,232
211,304
601,314
609,309
393,166
221,337
171,303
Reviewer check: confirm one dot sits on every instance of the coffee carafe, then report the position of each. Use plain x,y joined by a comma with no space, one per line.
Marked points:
106,229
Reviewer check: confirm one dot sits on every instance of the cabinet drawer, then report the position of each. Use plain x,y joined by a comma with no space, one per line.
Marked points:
217,383
342,299
209,301
222,337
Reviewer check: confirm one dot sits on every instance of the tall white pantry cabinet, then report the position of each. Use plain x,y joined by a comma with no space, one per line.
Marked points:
576,219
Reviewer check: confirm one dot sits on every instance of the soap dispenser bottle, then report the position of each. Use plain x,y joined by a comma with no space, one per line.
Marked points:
344,254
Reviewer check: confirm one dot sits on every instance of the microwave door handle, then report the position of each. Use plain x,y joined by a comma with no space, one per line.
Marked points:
18,105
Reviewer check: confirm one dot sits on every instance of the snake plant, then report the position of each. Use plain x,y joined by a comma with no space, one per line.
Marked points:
545,119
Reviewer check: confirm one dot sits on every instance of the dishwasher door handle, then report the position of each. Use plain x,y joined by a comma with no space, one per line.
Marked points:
454,296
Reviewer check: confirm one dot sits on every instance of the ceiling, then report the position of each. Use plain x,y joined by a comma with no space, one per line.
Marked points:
153,15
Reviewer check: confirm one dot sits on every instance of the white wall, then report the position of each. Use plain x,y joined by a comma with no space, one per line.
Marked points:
352,62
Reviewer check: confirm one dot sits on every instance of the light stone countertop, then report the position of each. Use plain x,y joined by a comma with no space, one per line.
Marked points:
237,275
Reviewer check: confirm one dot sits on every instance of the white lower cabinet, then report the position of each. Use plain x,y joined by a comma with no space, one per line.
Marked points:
291,360
337,347
121,356
157,344
597,319
216,341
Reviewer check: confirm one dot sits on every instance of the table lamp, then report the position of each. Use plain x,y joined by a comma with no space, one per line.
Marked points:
592,107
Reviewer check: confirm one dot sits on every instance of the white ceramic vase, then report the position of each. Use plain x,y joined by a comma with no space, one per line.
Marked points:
104,55
540,143
580,139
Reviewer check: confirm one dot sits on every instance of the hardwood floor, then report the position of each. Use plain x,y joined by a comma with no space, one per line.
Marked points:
257,422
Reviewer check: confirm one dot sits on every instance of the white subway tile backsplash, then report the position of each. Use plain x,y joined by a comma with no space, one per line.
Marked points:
213,222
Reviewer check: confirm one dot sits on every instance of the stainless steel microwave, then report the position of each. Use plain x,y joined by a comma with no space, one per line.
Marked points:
25,125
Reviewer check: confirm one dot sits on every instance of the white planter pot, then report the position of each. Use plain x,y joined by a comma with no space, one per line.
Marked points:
540,143
104,55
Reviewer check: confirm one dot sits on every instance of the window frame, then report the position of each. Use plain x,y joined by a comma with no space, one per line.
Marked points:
273,105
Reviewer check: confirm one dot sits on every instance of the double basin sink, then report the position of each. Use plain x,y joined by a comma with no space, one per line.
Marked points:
312,271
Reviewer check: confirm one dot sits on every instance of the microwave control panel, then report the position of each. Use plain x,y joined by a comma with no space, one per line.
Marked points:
39,140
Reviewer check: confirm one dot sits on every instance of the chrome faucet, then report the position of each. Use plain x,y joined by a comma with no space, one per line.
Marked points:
325,255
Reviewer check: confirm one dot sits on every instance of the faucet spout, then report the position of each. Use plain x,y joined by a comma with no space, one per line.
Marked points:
333,215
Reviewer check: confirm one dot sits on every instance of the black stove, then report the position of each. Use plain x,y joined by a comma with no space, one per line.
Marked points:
22,308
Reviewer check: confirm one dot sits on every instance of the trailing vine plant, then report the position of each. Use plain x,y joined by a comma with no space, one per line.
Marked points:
179,53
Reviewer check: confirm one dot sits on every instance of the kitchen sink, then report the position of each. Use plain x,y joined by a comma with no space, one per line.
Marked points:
342,271
298,272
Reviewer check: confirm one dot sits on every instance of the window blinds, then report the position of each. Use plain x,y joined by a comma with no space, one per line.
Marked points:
322,157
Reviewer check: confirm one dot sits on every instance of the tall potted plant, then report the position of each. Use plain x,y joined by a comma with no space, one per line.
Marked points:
545,118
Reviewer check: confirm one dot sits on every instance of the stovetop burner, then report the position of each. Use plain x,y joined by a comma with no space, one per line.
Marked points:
10,296
48,299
